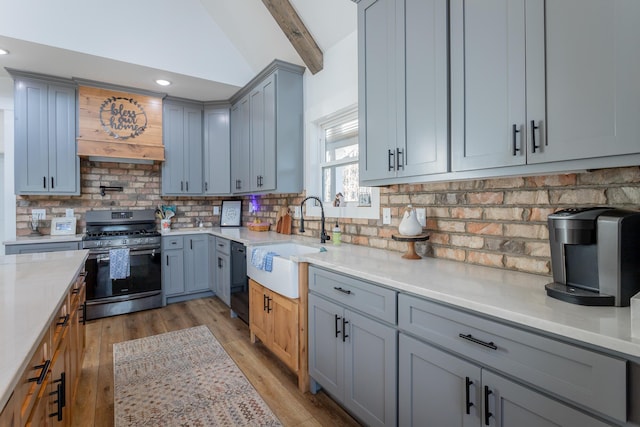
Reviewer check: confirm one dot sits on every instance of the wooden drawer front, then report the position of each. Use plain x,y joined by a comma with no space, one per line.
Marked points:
60,323
172,242
357,294
223,245
33,378
585,377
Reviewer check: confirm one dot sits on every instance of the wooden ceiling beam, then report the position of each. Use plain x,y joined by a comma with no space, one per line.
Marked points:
297,33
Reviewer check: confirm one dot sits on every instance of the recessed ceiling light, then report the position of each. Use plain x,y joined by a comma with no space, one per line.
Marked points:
163,82
4,51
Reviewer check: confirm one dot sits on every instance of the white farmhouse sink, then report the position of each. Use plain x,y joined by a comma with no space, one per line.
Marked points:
283,278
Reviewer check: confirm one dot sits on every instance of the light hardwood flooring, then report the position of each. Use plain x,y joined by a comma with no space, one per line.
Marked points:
275,383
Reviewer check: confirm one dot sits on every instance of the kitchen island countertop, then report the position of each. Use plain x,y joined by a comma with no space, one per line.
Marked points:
32,287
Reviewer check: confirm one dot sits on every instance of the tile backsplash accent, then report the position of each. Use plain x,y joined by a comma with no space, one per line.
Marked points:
495,222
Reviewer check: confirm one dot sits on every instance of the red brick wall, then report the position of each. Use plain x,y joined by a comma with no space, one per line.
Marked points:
496,222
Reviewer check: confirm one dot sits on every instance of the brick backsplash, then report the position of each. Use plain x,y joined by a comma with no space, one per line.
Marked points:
495,222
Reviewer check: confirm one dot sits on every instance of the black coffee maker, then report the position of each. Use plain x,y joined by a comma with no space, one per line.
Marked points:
595,255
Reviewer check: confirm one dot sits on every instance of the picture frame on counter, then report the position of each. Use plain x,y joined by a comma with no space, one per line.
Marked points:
231,213
63,226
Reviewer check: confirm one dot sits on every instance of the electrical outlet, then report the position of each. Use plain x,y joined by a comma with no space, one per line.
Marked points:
69,213
41,214
216,210
421,214
386,216
296,212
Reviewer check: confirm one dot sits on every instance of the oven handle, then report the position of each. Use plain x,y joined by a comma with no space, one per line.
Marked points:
104,256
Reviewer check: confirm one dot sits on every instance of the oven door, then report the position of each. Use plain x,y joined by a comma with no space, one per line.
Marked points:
145,275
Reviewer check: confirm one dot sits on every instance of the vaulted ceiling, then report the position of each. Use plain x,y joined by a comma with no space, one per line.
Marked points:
206,48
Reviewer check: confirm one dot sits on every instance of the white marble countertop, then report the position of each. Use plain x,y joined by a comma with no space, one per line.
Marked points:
32,288
506,295
47,238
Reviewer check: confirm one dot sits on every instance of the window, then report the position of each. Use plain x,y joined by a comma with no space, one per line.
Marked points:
337,167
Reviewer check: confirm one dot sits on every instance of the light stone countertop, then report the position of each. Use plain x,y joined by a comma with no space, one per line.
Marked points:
47,238
505,295
32,288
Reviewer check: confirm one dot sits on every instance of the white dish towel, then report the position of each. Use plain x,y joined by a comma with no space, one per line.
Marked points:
119,264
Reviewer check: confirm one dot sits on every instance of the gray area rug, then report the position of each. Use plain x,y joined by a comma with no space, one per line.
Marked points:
183,378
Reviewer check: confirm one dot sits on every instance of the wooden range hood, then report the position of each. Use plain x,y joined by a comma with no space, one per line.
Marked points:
119,125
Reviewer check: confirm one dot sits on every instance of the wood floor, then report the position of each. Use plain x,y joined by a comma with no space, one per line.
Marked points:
275,383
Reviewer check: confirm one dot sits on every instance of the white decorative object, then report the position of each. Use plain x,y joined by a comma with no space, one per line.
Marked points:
409,226
635,315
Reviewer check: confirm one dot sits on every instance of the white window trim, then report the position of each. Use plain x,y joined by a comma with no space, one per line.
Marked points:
314,176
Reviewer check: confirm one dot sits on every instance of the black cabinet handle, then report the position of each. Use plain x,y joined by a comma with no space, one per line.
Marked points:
75,291
468,403
269,308
474,340
337,318
43,373
344,329
187,186
65,320
264,302
167,259
400,162
191,244
258,181
391,161
181,186
83,319
344,291
61,400
219,262
52,186
44,182
487,414
515,132
206,186
534,128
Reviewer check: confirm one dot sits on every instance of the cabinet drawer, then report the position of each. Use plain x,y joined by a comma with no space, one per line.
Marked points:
60,323
357,294
172,242
586,377
223,245
33,378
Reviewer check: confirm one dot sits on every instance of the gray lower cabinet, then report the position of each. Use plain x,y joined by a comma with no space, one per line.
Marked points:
266,132
440,389
182,137
30,248
351,355
403,96
223,270
185,267
45,137
217,155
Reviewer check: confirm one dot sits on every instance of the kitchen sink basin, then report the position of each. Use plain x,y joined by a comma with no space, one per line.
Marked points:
283,278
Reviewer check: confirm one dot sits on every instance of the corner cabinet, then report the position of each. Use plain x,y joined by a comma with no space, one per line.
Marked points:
185,267
537,82
217,155
266,132
353,345
45,137
403,95
182,136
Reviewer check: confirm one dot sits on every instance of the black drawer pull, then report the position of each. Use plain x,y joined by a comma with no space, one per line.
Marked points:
515,132
336,324
468,403
391,160
470,337
487,413
344,330
344,291
43,373
75,291
64,320
534,128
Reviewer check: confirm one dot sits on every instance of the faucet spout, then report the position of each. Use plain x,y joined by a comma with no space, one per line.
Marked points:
323,234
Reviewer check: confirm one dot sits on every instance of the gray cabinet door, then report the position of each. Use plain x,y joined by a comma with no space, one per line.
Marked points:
193,150
240,146
212,266
45,135
512,404
422,90
377,90
196,256
217,154
370,369
173,137
592,95
173,272
326,349
488,102
263,135
223,277
436,388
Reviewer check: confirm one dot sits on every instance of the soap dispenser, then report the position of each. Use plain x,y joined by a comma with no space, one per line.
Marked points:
337,235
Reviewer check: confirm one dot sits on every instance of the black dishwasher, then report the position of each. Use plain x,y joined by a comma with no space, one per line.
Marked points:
239,281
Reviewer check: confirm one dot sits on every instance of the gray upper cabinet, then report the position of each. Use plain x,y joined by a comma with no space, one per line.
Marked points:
266,132
217,154
182,135
403,96
45,137
538,82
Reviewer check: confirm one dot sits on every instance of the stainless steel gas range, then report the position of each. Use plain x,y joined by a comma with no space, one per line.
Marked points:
140,287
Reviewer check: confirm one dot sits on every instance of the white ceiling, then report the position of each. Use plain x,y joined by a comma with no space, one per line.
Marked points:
208,49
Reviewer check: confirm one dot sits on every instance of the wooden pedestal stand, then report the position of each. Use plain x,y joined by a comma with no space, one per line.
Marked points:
411,244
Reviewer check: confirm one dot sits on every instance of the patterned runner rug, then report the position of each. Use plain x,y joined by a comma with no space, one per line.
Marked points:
183,378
